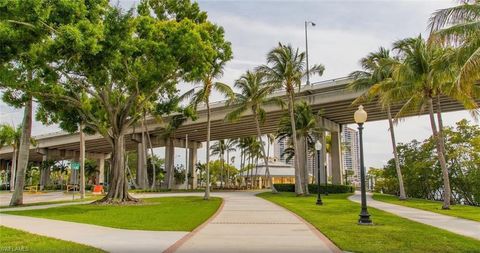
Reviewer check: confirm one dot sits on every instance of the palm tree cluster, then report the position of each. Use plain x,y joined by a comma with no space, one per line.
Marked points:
424,71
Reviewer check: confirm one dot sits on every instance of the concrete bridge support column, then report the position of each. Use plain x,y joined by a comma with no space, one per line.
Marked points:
169,164
101,171
337,163
323,157
142,182
192,161
302,161
44,172
3,166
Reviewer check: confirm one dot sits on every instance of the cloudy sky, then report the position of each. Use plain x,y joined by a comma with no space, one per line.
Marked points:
345,31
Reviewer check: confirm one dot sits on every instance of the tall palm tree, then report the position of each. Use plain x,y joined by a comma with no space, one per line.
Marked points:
220,148
423,75
307,133
286,68
230,146
203,96
253,97
10,136
459,27
23,152
376,80
255,151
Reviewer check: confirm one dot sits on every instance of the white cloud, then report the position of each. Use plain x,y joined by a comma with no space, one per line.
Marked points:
345,32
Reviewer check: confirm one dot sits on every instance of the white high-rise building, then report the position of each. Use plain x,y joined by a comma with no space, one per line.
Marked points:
279,147
351,151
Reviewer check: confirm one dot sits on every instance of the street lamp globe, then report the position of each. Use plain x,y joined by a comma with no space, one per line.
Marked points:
318,145
360,115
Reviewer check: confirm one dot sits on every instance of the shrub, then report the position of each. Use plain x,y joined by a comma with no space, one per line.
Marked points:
312,188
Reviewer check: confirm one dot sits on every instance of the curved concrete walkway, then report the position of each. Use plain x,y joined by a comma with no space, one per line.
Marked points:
108,239
248,223
453,224
245,223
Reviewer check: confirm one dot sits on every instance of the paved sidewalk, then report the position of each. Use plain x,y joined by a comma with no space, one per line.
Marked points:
24,208
29,198
246,223
108,239
251,224
453,224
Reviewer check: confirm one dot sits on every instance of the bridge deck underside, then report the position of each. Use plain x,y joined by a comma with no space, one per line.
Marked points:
340,112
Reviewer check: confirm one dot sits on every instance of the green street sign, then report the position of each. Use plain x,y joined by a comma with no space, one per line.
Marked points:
75,165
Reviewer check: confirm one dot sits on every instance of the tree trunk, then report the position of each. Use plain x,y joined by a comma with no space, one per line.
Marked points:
222,172
227,183
265,155
300,155
23,154
395,156
169,165
152,162
441,142
257,185
82,162
118,187
13,169
298,179
207,165
305,166
441,157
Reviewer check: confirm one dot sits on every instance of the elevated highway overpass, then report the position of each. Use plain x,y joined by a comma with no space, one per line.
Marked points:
331,97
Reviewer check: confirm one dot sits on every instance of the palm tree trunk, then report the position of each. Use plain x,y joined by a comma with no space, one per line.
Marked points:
207,165
82,162
152,162
441,157
13,169
298,179
395,156
265,155
227,182
256,173
222,172
441,141
305,179
23,154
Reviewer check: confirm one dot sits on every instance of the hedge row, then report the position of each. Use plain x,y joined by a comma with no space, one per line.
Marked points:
312,188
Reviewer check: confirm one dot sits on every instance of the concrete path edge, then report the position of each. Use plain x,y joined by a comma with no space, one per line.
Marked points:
184,239
312,228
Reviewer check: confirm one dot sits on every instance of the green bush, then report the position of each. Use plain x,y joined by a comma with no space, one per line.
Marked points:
312,188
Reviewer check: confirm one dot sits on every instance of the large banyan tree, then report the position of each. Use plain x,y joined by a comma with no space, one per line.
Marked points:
104,68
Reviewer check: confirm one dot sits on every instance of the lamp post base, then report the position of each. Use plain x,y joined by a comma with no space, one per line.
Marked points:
319,202
365,219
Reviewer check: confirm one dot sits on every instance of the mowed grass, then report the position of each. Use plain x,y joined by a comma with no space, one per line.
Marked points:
337,219
461,211
13,240
158,214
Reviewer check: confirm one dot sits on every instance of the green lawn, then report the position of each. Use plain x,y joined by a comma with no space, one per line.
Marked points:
161,214
337,219
13,240
461,211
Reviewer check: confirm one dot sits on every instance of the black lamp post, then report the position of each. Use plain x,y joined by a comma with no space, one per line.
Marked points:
318,147
360,118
